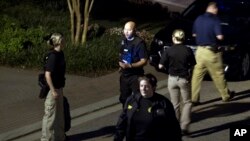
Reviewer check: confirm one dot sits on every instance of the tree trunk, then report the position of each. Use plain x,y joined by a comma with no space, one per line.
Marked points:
85,30
87,10
75,20
78,21
72,23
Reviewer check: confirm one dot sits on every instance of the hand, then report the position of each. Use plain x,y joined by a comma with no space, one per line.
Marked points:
124,65
161,66
55,94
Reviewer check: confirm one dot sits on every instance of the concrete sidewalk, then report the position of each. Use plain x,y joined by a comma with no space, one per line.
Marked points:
22,110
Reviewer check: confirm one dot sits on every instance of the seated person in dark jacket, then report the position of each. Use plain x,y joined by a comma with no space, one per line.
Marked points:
148,116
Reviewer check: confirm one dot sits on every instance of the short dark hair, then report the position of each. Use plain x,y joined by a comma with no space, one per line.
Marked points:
150,78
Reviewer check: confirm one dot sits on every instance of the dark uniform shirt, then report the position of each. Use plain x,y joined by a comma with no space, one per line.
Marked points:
207,27
142,119
178,59
132,52
56,65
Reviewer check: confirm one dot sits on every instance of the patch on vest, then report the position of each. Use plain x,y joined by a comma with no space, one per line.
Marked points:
130,107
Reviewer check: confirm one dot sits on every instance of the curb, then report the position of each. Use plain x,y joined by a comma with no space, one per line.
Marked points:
76,113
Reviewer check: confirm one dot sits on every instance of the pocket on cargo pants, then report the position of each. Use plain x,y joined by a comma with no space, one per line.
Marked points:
48,118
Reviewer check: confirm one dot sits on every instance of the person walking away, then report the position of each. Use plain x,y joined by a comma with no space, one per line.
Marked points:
132,59
53,119
179,59
207,30
148,116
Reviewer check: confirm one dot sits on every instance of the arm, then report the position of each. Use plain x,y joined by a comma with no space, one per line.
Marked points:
194,30
192,63
218,30
121,126
192,60
50,84
161,66
140,63
220,37
174,124
124,65
49,67
163,60
142,54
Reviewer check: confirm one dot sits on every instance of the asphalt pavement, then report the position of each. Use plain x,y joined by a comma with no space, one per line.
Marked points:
21,109
92,99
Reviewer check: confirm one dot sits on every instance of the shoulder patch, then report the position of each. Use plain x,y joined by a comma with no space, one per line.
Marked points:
130,107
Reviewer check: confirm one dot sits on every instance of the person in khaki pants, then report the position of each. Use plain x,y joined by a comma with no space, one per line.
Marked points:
53,119
207,30
179,59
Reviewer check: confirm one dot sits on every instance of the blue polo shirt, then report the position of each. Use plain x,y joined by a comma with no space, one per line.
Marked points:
207,27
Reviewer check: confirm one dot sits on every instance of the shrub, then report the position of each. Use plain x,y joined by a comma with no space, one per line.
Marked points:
21,38
99,56
27,48
23,26
16,43
145,35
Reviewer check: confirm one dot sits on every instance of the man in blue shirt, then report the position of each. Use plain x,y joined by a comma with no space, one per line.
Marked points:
207,30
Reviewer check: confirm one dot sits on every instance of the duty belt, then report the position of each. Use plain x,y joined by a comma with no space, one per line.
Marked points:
212,48
178,77
208,47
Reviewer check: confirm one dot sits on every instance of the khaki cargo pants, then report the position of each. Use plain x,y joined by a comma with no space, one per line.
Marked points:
53,119
208,60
